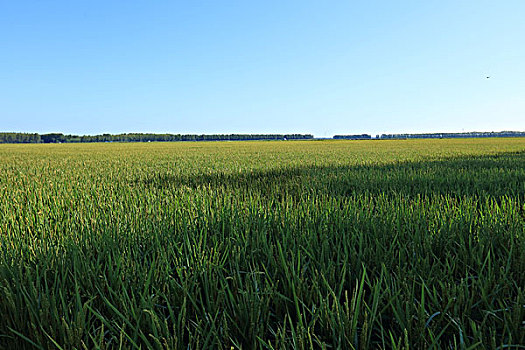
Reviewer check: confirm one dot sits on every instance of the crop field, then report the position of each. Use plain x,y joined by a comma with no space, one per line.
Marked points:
263,245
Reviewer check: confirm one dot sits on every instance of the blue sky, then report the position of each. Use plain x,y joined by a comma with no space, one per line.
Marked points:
321,67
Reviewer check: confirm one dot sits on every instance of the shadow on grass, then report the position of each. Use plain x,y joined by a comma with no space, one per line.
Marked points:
488,175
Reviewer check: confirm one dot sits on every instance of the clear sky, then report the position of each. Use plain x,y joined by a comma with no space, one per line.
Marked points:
321,67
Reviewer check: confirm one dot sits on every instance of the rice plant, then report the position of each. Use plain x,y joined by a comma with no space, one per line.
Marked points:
263,245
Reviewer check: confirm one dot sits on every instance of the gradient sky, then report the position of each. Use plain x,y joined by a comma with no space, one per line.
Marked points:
321,67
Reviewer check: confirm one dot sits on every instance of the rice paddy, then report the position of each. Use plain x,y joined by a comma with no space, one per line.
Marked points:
263,245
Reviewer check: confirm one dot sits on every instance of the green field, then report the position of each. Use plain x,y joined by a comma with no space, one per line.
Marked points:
297,244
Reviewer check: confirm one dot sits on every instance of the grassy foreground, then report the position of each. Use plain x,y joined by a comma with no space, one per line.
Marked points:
333,244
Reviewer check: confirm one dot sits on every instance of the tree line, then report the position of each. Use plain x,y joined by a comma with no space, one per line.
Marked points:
15,137
437,135
448,135
12,137
353,137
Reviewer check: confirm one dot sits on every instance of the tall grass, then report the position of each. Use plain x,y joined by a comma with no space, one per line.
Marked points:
270,245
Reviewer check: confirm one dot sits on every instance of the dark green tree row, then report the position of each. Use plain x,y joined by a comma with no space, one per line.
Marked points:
353,137
473,134
15,137
139,137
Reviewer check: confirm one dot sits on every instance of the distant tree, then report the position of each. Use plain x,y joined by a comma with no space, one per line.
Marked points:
15,137
53,138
